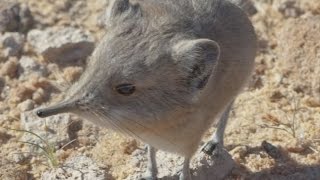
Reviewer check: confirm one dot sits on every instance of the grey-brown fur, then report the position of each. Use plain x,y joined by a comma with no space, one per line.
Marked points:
188,59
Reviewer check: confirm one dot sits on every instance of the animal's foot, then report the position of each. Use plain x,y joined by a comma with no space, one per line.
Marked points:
212,148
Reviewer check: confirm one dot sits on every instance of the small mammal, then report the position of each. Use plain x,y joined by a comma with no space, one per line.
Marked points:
164,71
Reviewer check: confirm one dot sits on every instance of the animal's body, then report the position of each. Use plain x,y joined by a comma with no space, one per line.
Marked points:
165,70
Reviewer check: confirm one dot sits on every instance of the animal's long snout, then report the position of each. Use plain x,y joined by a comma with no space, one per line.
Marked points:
62,107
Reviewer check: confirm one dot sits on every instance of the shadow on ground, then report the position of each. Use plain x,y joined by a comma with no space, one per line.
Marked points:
224,167
285,168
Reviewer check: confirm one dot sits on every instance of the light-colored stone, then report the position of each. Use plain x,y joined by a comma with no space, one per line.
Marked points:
78,167
30,66
53,130
18,157
62,44
26,105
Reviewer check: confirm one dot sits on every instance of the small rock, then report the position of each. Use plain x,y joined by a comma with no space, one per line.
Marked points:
30,66
54,129
205,167
297,146
276,96
39,96
271,150
19,94
38,82
62,45
36,88
12,44
14,16
238,153
26,105
4,136
9,68
290,9
78,167
18,157
71,74
15,113
129,146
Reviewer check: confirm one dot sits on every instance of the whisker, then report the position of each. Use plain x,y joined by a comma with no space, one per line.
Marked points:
122,128
103,118
102,121
134,122
64,83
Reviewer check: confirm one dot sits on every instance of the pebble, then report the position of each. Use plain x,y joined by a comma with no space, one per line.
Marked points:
62,44
12,43
54,129
29,66
14,16
26,105
9,68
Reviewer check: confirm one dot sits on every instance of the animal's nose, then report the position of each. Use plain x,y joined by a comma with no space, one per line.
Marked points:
40,113
63,107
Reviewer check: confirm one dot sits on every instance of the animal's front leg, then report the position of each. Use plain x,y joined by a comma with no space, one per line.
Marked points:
185,173
215,145
151,172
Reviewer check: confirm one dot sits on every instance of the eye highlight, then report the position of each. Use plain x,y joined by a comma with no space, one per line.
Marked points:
125,89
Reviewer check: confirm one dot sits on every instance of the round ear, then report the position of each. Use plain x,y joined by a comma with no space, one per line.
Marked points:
120,8
197,59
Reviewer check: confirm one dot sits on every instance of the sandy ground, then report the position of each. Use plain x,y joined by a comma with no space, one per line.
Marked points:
281,104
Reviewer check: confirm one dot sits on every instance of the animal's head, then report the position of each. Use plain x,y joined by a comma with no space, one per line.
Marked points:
148,65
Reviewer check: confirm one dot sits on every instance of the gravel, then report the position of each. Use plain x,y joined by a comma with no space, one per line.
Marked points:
78,167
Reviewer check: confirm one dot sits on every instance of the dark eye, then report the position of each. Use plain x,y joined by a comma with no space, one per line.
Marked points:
125,89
